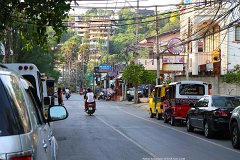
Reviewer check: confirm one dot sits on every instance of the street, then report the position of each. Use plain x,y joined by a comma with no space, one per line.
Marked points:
121,130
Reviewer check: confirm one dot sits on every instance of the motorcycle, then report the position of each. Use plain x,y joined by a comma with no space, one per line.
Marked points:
101,97
90,108
67,95
109,97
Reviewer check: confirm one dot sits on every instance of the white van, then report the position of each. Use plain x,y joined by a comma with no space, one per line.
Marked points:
31,73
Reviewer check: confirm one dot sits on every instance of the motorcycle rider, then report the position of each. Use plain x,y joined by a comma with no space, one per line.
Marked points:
67,93
89,98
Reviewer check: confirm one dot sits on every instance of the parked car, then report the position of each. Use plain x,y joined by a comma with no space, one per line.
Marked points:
130,93
234,127
211,114
24,131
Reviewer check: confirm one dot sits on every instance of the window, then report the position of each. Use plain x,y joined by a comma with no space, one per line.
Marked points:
17,100
237,33
191,89
212,39
33,110
8,123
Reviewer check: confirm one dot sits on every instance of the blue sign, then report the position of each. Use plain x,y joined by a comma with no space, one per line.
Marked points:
105,68
187,1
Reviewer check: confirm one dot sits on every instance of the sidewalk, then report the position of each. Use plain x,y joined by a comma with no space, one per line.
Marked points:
139,105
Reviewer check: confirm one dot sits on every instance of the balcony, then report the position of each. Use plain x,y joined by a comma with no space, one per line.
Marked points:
209,62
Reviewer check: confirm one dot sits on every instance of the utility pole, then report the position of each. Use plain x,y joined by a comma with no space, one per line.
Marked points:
157,49
137,27
108,44
188,51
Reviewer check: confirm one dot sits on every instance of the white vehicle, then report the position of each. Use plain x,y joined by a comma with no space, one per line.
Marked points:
31,73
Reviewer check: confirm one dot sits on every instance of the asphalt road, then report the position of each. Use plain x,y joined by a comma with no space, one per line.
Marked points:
122,131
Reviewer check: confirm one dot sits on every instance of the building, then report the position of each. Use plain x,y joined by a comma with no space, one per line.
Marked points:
99,28
169,63
212,45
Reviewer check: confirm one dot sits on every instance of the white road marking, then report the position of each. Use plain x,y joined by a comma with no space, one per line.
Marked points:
182,132
128,138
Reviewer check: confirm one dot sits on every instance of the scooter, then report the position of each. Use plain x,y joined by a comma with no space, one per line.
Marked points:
109,97
67,95
90,108
101,97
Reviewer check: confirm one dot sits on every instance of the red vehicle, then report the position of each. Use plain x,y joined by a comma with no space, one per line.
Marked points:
179,96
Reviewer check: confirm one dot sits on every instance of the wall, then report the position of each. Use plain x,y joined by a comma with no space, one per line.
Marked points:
218,86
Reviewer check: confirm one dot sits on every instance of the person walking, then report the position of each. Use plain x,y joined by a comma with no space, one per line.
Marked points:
60,99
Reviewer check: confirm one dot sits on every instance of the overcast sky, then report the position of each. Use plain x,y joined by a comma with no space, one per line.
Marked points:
116,4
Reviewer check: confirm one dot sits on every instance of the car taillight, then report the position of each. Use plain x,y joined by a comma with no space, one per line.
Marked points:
20,156
29,157
220,113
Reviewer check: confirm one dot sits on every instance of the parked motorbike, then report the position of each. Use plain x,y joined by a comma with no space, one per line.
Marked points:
90,108
101,97
109,97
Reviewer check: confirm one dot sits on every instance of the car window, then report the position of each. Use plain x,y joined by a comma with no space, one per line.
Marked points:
225,102
8,123
35,117
14,92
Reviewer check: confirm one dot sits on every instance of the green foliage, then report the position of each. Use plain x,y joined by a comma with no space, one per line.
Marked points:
38,15
119,42
233,76
134,73
149,77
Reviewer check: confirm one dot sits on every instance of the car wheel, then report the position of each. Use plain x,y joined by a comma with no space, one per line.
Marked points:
151,114
172,122
190,128
235,136
165,120
207,130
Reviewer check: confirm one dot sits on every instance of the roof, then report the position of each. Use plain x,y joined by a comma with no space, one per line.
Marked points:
165,33
188,82
147,42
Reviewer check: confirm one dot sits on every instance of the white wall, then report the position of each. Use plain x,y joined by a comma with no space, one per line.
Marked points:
233,50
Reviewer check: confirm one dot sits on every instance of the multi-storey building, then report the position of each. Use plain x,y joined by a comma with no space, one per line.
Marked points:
213,46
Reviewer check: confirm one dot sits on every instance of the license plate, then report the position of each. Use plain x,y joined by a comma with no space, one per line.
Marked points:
90,108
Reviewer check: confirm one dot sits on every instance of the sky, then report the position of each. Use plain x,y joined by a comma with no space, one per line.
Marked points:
117,4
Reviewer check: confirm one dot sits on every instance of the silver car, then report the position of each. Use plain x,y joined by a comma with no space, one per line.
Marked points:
25,133
234,127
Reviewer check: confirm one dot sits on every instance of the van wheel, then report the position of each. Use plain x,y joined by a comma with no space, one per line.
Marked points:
190,128
207,130
165,120
172,122
151,114
235,135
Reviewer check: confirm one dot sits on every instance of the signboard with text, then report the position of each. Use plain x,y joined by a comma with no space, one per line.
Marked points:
173,59
105,68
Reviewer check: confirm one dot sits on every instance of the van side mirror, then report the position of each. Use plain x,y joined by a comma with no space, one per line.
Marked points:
46,100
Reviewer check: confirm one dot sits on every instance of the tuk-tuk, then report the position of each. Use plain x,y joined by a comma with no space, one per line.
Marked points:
155,103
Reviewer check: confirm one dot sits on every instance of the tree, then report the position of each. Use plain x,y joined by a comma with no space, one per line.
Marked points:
233,76
29,20
134,74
